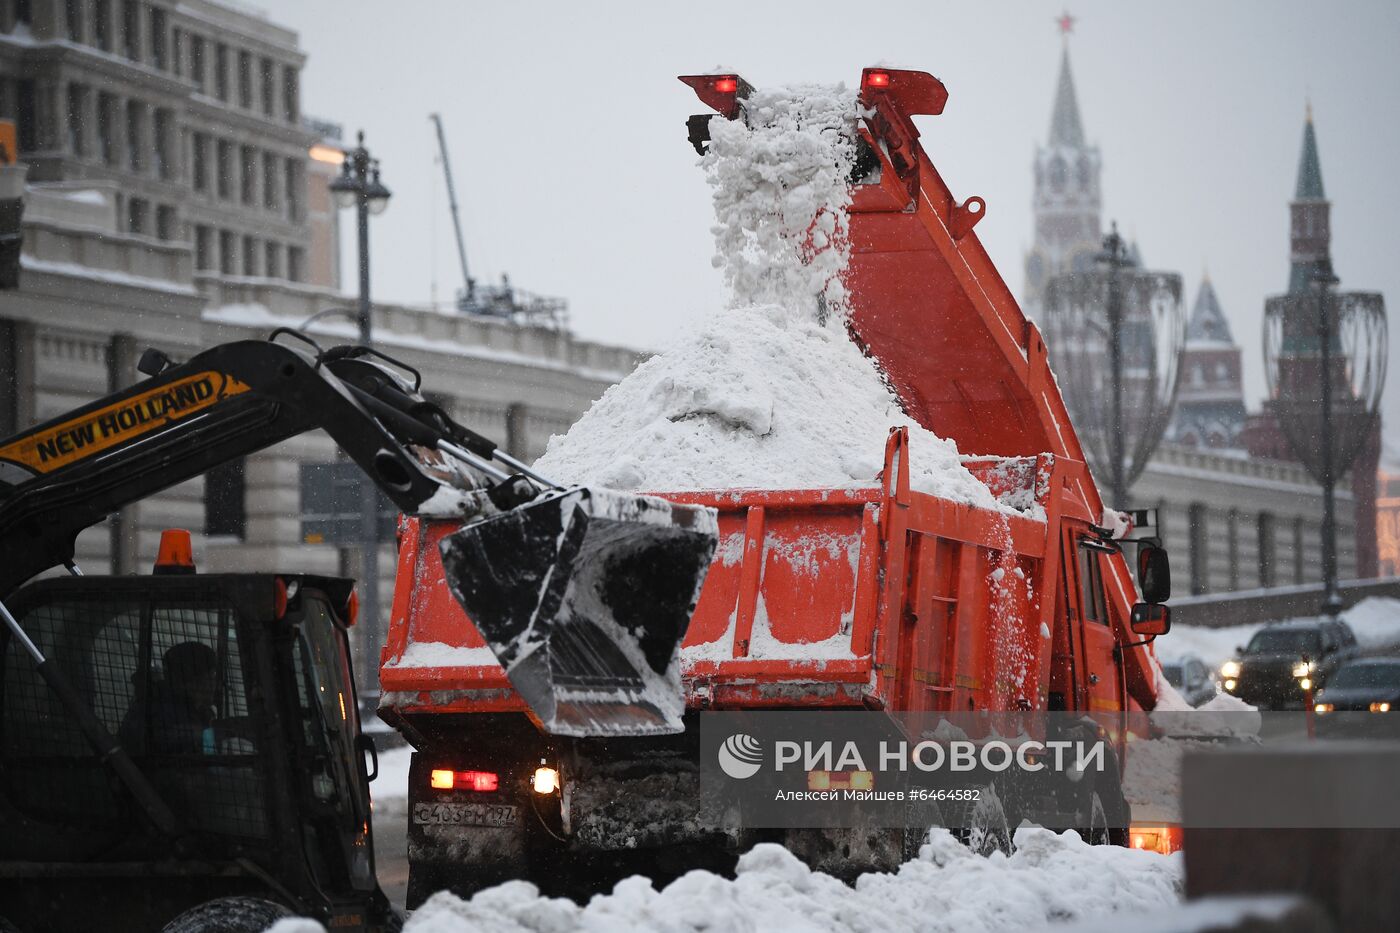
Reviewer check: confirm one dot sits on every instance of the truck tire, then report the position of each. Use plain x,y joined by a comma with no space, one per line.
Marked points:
980,824
229,915
1096,832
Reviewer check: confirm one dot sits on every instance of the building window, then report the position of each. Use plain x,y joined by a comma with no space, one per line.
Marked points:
26,117
224,169
1200,549
164,133
221,72
269,78
102,24
272,267
203,248
165,222
250,256
77,101
245,80
227,247
200,162
225,497
296,260
1268,553
248,175
131,30
106,114
135,123
73,19
177,52
158,31
291,106
269,163
137,215
197,64
293,189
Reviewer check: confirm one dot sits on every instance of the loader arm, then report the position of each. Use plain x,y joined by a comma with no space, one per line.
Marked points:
584,595
71,472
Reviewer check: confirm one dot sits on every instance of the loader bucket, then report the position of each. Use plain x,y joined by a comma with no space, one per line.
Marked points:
585,596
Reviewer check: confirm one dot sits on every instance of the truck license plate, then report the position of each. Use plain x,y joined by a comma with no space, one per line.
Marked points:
464,814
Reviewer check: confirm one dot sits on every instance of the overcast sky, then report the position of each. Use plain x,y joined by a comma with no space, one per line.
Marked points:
566,128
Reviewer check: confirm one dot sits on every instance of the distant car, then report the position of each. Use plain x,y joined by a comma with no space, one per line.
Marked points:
1286,660
1358,688
1362,685
1191,678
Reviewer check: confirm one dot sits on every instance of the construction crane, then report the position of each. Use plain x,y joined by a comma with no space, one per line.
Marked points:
501,301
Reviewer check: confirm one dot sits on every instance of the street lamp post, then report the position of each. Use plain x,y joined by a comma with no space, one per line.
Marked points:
359,186
1332,597
1115,256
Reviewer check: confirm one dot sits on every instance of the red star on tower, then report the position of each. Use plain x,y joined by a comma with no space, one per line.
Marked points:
1066,23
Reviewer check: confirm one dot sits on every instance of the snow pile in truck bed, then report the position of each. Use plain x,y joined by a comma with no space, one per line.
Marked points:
770,392
1050,878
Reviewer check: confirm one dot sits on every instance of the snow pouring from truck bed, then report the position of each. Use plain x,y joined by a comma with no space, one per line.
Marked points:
770,392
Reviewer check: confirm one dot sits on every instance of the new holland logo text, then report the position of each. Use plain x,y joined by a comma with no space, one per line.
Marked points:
95,431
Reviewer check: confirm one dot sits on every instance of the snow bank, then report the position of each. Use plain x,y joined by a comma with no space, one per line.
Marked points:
1375,620
770,392
1050,878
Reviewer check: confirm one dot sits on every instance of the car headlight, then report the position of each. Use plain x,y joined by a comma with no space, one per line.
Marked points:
1302,668
1323,708
1230,669
1380,707
1230,684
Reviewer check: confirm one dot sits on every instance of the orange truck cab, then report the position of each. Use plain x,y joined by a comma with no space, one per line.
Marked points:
880,597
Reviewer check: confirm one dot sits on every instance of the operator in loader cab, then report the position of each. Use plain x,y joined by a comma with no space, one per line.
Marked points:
178,708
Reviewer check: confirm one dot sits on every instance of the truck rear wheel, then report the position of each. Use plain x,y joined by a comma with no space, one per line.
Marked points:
980,824
229,915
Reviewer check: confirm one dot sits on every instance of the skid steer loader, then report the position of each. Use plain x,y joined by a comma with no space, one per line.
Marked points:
182,751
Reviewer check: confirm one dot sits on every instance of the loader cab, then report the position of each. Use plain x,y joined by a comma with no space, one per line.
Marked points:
234,697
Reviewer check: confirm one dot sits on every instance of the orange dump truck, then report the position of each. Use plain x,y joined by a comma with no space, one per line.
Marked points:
868,598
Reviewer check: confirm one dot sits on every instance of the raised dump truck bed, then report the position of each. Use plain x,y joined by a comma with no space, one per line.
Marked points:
878,597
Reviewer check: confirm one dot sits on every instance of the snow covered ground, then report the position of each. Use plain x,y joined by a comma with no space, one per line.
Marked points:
1051,878
389,791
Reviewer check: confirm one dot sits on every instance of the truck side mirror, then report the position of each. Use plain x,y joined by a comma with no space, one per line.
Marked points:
1151,619
1154,573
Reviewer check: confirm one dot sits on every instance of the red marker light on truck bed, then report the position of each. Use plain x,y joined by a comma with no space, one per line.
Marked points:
726,85
877,79
446,779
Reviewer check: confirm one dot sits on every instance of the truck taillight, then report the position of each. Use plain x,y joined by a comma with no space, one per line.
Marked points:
877,79
726,85
840,780
446,779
